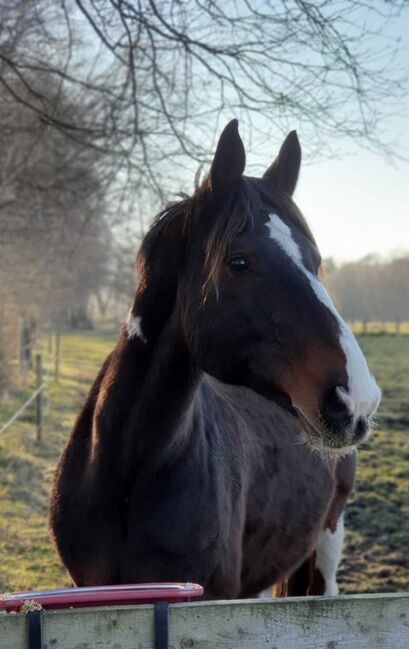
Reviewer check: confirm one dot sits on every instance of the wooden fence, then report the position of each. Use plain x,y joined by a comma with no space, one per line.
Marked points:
346,622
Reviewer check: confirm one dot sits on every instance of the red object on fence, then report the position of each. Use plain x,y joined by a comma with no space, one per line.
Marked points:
103,596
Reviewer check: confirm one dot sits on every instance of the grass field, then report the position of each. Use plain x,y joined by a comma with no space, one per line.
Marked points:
377,518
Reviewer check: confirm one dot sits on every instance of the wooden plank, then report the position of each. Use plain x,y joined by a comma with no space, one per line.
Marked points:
12,631
348,622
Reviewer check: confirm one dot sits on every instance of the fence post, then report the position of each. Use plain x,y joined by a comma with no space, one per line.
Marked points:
21,344
39,397
57,356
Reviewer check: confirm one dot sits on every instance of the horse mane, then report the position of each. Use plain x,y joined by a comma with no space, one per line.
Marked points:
163,225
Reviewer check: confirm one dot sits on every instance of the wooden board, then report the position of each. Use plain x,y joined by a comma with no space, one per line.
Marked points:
346,622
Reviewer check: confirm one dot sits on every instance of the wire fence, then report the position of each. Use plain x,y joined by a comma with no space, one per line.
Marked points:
22,408
42,379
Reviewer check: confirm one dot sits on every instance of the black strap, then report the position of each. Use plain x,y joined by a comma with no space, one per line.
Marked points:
34,627
161,625
34,630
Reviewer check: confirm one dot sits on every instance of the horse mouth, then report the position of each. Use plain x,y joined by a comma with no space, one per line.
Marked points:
328,443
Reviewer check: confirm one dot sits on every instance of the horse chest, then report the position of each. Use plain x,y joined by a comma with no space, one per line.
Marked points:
283,518
186,523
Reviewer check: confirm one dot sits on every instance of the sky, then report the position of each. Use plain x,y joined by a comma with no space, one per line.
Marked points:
357,204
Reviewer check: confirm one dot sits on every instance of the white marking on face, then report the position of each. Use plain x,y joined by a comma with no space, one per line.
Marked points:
134,327
363,396
329,553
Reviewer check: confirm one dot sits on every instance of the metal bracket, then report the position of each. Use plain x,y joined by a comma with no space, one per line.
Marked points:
161,625
34,621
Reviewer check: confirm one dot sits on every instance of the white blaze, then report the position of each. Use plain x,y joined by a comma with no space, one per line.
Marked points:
363,396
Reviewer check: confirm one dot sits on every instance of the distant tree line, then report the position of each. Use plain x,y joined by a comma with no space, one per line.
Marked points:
371,288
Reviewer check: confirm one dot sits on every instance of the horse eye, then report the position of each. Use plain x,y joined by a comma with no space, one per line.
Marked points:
238,264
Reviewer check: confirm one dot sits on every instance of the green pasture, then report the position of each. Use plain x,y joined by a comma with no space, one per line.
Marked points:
377,518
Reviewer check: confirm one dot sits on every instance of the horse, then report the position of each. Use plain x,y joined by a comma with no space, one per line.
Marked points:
217,442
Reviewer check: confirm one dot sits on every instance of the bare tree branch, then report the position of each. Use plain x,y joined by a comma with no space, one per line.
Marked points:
160,74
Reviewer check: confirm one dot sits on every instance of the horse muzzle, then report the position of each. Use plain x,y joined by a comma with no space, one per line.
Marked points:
338,425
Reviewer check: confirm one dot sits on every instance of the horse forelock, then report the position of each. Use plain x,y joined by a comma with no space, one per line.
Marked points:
219,224
237,214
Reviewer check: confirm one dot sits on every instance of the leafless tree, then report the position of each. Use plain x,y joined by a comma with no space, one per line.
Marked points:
162,73
54,237
372,288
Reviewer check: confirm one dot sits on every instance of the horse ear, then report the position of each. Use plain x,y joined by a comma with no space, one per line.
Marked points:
286,167
229,160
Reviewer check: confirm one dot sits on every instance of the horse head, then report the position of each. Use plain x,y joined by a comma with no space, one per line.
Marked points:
238,267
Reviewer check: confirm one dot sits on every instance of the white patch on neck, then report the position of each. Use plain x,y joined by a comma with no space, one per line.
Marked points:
363,396
329,553
134,327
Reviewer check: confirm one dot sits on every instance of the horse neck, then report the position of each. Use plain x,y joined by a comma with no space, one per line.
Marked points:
154,384
168,388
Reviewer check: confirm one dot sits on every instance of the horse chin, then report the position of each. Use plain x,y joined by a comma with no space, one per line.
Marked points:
325,444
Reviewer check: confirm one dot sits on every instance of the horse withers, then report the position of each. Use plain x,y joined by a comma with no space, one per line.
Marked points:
217,442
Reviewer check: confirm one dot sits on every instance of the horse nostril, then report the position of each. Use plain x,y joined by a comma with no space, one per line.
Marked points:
335,410
361,429
343,395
